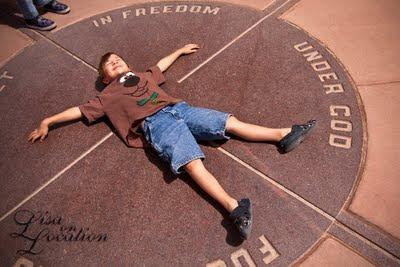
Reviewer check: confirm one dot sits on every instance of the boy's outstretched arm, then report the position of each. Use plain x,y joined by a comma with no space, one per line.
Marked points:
67,115
164,63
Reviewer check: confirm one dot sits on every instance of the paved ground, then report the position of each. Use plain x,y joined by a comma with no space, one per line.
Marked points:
82,198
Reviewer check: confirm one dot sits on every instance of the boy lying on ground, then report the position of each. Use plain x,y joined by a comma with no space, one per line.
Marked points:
144,115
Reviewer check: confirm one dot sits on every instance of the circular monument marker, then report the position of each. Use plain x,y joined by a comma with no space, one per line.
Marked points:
117,205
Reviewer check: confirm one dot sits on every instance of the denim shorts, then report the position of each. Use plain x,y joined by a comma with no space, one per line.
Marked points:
173,132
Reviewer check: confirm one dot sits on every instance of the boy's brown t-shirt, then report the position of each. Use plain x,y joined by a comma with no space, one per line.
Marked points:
127,101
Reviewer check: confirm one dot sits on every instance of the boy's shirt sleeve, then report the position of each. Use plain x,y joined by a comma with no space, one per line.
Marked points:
92,110
156,75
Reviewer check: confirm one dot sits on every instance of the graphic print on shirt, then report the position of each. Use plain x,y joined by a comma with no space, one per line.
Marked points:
130,80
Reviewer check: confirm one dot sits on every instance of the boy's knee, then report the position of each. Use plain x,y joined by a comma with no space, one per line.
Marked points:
193,165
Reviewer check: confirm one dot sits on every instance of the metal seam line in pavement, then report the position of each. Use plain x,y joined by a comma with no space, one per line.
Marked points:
270,4
309,204
276,184
65,50
231,42
56,176
378,83
366,240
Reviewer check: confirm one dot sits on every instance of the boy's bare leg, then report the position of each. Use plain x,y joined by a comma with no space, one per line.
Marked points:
209,184
254,132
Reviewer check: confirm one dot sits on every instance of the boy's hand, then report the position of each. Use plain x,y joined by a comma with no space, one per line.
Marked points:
39,133
164,63
189,48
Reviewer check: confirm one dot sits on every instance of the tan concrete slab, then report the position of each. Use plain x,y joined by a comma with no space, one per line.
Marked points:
333,253
362,33
12,42
84,9
377,197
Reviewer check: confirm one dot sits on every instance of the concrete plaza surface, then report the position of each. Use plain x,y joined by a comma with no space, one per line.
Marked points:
82,198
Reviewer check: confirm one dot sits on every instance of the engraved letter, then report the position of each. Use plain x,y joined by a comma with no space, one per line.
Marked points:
1,89
208,9
268,248
299,47
328,76
320,66
154,10
4,75
140,11
312,56
105,20
242,253
338,125
195,9
334,88
167,9
96,23
345,141
217,263
181,8
334,113
125,14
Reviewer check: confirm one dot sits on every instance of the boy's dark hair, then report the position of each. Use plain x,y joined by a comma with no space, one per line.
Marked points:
103,60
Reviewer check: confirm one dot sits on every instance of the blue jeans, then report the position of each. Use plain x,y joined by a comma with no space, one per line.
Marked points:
28,7
173,132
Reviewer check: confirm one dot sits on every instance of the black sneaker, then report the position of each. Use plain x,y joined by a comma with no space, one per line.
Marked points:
241,217
297,136
40,23
57,7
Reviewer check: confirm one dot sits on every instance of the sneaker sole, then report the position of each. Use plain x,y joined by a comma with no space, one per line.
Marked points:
48,28
246,203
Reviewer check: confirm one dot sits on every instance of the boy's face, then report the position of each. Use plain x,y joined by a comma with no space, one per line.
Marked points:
113,67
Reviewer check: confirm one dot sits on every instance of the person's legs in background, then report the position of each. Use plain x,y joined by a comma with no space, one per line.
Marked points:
28,9
34,20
